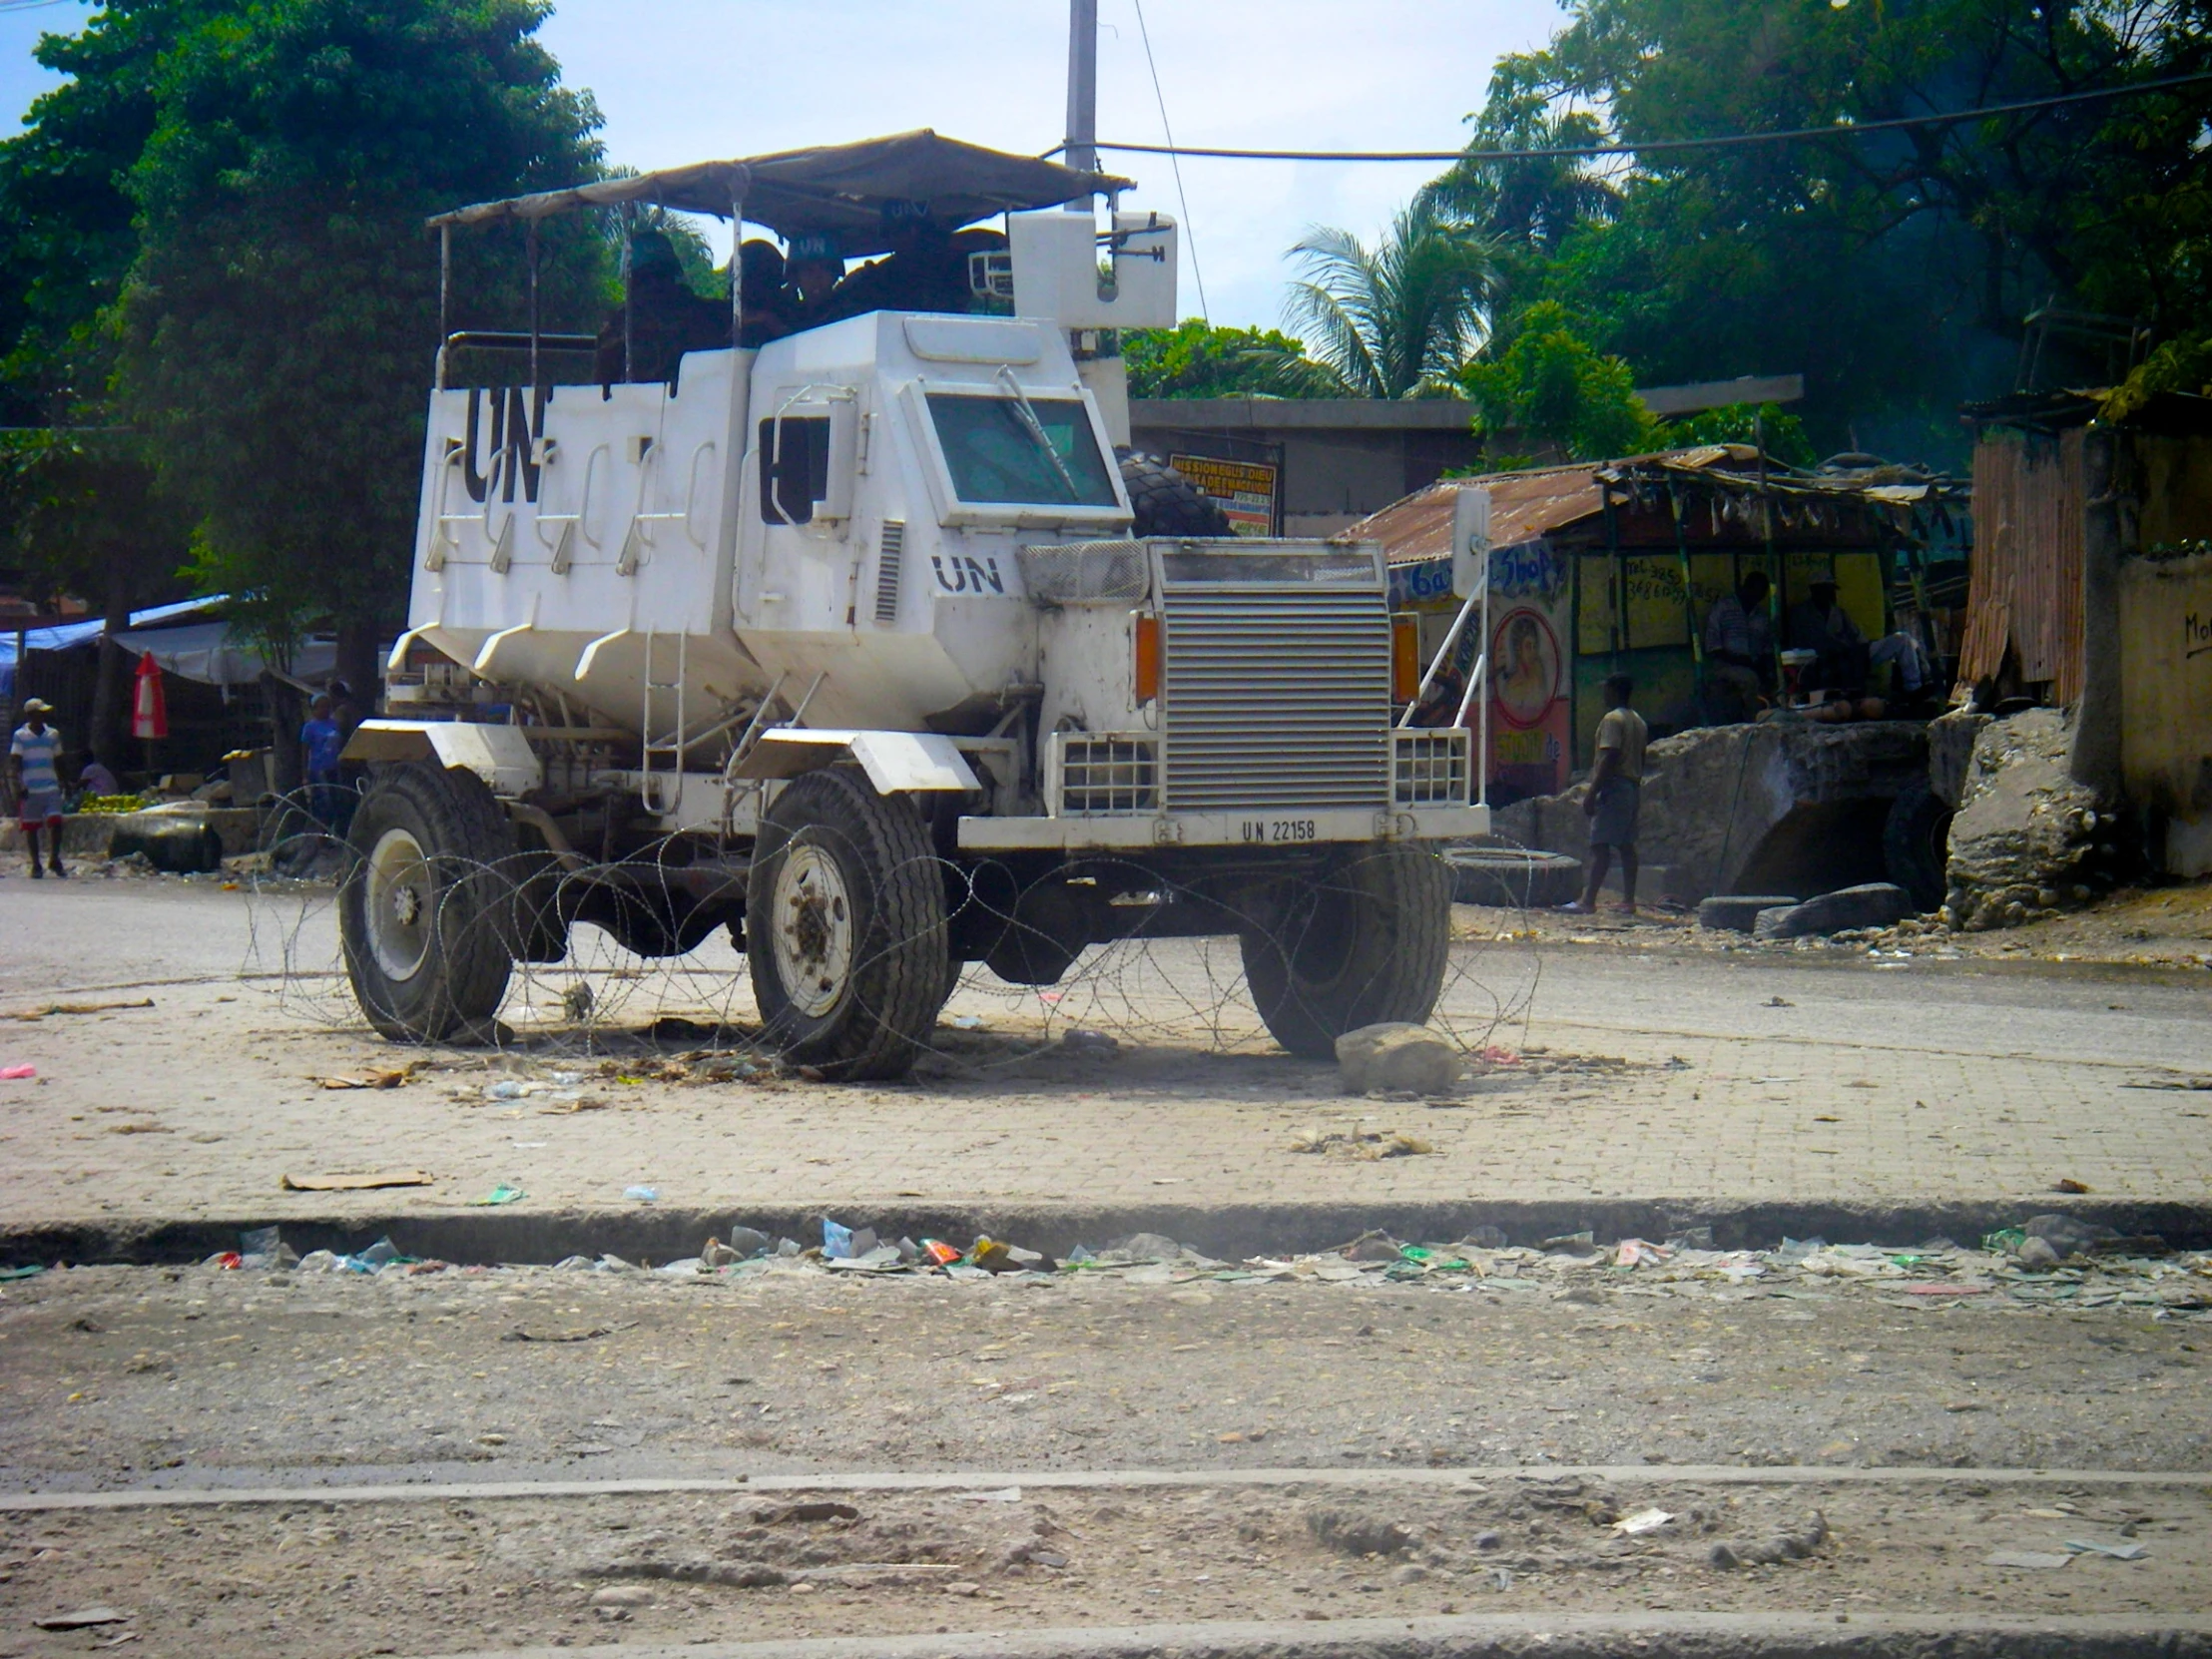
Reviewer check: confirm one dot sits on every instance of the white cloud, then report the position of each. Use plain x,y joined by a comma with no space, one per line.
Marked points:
683,80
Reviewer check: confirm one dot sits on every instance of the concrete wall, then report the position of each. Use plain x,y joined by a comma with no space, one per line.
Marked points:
2166,697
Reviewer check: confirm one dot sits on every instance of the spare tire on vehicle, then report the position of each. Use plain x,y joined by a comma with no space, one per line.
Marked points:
1165,502
1513,877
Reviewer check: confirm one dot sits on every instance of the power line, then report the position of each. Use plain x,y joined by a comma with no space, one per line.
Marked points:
1175,160
1664,146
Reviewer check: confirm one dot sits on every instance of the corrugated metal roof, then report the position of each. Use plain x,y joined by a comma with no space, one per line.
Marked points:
1525,506
2025,582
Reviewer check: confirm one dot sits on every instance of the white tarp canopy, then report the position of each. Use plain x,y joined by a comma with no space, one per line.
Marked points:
209,652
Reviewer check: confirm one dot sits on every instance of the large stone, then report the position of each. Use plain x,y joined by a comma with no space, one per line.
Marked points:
1395,1056
1791,807
1738,912
1872,904
1951,740
2026,834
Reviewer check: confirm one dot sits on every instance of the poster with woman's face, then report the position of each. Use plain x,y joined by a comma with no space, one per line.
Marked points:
1526,653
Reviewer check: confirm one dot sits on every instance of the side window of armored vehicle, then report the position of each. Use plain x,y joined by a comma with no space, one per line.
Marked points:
996,454
794,468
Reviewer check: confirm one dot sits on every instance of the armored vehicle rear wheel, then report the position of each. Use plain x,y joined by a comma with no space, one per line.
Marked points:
1362,942
844,926
1165,503
426,913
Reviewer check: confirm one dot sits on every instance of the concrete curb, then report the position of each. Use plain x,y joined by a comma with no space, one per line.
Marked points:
1554,1636
1232,1232
933,1480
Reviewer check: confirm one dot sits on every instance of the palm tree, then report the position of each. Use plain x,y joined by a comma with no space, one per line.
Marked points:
1398,319
1541,200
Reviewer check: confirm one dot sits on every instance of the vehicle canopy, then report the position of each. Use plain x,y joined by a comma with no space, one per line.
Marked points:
858,194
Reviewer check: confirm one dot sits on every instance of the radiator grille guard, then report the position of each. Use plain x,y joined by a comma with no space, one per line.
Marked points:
1276,691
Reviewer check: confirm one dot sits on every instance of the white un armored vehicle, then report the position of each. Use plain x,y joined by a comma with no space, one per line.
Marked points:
850,641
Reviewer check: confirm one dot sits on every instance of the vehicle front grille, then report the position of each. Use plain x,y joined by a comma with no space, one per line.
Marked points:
1107,774
1276,696
1430,768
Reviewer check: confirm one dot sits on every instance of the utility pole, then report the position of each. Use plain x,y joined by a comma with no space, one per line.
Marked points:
1081,152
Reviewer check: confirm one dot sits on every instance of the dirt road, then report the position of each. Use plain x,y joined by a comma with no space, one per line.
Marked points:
1431,1427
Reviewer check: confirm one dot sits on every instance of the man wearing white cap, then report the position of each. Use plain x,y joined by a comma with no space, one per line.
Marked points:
38,785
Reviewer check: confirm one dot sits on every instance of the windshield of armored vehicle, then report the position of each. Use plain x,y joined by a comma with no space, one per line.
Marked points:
995,457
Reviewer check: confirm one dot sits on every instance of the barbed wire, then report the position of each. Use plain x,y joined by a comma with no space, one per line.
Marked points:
610,985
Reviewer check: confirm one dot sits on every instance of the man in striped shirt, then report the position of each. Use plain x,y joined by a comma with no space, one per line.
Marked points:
38,783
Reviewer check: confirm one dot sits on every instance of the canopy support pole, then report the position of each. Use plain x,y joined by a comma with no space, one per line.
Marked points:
737,272
537,385
445,295
629,256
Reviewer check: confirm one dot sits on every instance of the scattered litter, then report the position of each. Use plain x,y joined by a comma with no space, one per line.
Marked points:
356,1183
1643,1521
1358,1145
1099,1043
390,1077
2068,1185
643,1195
967,1022
2118,1553
1779,1002
16,1074
502,1193
2033,1560
1631,1253
30,1271
81,1620
53,1009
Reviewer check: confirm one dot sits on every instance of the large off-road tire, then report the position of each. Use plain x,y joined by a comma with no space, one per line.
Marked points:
844,926
1165,503
427,915
1363,943
1916,843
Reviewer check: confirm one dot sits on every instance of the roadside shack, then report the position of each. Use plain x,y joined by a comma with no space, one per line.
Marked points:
1597,568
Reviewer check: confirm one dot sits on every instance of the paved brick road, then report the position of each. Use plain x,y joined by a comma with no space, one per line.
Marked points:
1926,1081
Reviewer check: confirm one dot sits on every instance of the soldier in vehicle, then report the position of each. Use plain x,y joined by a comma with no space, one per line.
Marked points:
817,273
666,319
767,300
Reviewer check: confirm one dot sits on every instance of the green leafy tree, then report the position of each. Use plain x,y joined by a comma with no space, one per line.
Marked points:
1893,269
1550,388
1779,432
282,306
1197,360
78,513
1532,204
1399,319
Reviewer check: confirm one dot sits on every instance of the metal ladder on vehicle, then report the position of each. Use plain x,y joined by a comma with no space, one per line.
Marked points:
662,695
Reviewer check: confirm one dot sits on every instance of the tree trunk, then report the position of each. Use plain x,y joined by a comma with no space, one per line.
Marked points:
286,715
110,723
361,669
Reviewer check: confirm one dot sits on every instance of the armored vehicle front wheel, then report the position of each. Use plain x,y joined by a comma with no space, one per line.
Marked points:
1362,941
426,913
844,926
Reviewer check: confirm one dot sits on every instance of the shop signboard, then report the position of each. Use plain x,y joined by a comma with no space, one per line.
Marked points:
1249,491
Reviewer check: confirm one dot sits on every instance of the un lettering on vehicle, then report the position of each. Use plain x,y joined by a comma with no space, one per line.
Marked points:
1276,832
964,573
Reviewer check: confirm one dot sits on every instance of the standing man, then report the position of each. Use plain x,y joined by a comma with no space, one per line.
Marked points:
1615,792
38,783
320,740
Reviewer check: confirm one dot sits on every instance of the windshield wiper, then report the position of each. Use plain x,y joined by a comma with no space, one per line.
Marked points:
1035,427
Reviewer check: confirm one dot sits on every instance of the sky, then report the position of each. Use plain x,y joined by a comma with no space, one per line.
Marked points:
688,80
